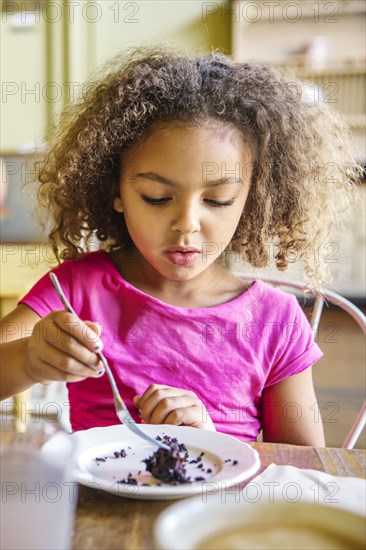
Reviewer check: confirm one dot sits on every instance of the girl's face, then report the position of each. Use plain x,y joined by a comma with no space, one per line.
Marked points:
182,191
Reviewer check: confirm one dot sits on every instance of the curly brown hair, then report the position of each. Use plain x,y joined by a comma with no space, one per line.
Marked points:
303,171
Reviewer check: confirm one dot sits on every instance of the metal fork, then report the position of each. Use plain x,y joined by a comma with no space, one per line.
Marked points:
122,411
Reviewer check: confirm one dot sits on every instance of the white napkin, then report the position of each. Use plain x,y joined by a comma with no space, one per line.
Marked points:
287,483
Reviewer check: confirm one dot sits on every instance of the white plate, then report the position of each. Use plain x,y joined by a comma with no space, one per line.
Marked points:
220,452
187,525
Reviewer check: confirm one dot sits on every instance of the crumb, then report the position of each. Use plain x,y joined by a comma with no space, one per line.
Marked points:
195,460
169,466
129,481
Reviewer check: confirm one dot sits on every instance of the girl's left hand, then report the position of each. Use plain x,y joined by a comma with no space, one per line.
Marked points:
167,405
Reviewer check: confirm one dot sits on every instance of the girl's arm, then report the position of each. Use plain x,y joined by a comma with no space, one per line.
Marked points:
58,347
290,412
15,327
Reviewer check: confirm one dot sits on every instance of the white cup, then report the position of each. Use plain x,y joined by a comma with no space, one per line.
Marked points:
38,496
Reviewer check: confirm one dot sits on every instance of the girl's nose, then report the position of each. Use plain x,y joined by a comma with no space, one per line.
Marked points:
186,220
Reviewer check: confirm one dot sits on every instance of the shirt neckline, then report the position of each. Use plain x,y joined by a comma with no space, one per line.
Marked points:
250,293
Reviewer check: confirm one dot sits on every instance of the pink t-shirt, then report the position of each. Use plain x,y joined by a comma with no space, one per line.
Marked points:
226,354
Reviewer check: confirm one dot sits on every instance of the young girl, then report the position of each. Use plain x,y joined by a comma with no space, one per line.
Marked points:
167,161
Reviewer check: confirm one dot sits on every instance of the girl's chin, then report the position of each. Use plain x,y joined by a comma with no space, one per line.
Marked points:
184,273
180,272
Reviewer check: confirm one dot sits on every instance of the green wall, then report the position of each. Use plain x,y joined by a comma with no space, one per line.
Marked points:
47,54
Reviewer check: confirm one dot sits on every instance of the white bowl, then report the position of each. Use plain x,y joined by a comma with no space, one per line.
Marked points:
226,521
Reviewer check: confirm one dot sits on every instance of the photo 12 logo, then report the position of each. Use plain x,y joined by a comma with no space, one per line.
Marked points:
271,11
29,13
273,491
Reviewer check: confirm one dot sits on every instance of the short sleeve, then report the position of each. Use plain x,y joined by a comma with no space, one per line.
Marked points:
42,297
298,350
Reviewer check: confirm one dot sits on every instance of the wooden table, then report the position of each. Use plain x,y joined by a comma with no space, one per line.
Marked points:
109,522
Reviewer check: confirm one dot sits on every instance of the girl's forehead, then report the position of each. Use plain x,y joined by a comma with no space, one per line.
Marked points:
209,129
179,151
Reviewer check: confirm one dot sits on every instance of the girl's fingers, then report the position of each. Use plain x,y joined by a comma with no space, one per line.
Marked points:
189,416
158,392
64,347
96,327
51,373
177,409
168,405
152,397
160,405
75,328
61,365
150,390
68,334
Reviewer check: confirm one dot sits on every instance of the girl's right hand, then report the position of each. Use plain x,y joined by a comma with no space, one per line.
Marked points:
62,347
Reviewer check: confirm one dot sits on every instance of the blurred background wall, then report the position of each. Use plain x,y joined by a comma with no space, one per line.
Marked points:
49,48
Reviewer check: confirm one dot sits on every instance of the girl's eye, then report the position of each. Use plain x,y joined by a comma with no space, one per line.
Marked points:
214,203
150,200
165,200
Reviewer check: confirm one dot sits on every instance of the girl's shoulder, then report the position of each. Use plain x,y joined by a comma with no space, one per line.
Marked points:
97,259
92,263
94,271
239,287
271,302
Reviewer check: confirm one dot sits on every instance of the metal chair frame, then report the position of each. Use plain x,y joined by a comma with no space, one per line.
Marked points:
322,295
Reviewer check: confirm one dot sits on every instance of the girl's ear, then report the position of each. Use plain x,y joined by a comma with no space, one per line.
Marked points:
117,204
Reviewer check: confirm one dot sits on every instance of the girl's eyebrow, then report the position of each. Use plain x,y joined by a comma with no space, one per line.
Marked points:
160,179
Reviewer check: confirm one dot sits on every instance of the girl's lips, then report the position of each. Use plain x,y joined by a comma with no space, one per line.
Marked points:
182,257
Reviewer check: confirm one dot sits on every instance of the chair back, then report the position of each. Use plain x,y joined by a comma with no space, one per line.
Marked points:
321,296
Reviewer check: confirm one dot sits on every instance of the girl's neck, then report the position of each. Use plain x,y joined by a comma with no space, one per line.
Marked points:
214,286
